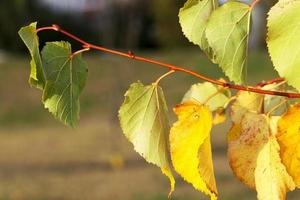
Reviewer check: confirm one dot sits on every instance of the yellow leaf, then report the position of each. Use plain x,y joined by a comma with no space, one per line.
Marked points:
254,158
234,133
191,149
219,116
246,102
289,141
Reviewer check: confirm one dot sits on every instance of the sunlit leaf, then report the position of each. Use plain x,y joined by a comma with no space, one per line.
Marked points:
289,141
284,38
253,153
31,40
201,92
144,121
244,103
66,76
227,33
193,17
191,149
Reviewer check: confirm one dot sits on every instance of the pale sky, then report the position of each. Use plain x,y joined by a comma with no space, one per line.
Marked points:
73,5
65,4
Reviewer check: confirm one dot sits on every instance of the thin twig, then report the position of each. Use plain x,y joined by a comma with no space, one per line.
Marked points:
275,80
171,67
164,76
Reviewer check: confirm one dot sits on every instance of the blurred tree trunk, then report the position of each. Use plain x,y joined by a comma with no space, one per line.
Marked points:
167,28
12,14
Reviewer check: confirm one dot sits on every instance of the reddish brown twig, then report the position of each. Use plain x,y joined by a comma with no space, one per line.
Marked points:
275,80
87,45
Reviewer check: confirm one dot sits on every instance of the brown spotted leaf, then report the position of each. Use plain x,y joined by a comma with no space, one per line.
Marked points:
253,153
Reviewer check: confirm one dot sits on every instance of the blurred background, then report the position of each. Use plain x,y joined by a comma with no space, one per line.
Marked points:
41,159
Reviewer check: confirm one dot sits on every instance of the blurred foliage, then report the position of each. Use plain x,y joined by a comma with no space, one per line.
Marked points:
131,25
12,14
17,13
135,24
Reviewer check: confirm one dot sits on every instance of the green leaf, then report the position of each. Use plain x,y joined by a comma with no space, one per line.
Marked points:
31,40
193,17
144,121
227,33
66,77
284,39
202,91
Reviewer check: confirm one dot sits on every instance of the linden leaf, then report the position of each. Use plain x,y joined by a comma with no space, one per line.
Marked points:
144,121
284,38
253,153
65,79
191,149
193,17
227,34
244,103
202,91
289,140
31,40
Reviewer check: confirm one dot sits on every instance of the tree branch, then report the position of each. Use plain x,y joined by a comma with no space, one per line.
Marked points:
171,67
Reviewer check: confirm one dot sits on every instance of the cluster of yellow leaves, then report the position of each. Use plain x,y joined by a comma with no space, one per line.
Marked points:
263,150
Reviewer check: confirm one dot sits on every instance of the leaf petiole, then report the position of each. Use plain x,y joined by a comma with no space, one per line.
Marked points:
164,76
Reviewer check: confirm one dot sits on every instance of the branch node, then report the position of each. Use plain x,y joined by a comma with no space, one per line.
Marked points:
172,68
86,46
56,27
131,54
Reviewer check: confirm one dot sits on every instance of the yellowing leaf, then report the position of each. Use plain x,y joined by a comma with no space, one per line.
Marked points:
234,133
289,141
246,102
191,149
254,158
201,92
272,180
219,116
144,121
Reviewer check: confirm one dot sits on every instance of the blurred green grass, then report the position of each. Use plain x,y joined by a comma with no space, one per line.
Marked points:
42,159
